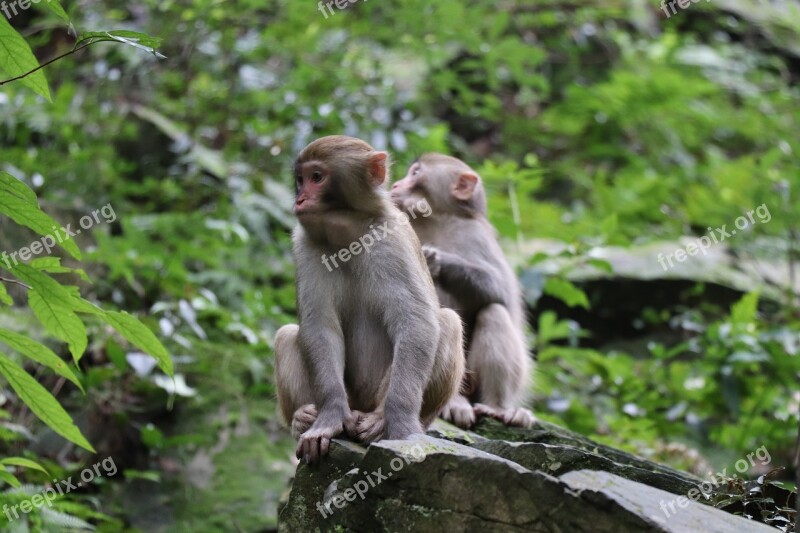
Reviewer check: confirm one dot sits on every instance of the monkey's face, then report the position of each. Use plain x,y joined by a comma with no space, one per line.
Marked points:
412,188
338,174
447,184
312,187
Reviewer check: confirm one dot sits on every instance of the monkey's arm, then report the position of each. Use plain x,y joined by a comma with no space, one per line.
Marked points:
478,284
320,337
322,347
413,328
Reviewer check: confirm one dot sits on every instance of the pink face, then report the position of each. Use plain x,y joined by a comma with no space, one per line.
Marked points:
407,189
311,182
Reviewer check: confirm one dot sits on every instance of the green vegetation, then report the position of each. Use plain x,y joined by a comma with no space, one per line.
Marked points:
596,126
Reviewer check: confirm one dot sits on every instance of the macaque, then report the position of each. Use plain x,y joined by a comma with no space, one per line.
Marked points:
373,354
472,277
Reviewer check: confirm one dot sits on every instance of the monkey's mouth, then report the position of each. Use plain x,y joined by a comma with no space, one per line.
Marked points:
310,216
303,210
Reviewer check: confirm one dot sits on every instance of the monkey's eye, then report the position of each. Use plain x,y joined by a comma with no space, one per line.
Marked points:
317,176
415,172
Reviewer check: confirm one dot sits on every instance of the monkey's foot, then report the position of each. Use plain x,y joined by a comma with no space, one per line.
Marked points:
460,412
366,427
314,443
514,416
303,418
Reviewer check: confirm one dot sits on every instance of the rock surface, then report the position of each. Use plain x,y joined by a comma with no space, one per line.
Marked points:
544,479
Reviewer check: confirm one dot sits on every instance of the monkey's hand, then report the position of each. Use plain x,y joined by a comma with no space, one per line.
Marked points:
366,427
514,416
432,257
314,443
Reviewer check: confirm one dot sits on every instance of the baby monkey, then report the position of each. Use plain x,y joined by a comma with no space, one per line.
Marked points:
474,278
373,354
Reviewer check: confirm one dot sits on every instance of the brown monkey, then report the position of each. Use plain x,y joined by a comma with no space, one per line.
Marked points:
473,277
373,353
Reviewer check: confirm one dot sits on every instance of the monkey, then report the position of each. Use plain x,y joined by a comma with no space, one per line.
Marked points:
474,278
373,354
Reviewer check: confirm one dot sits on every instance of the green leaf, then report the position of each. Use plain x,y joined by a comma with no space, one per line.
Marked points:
25,463
54,306
609,225
4,297
54,7
39,353
8,478
539,257
46,263
139,335
744,311
80,305
601,264
41,402
550,329
16,59
147,475
138,40
565,291
19,203
59,321
53,266
116,355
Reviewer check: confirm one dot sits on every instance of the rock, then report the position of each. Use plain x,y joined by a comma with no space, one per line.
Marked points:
637,281
549,480
665,511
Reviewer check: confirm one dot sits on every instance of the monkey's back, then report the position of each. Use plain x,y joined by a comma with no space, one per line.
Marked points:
475,240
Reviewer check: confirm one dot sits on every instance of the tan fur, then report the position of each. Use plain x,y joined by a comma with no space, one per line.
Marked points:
373,353
473,278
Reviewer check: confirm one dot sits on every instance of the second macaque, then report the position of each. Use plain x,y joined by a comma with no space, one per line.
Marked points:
474,278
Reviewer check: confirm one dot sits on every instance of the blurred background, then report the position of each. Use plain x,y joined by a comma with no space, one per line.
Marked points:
607,133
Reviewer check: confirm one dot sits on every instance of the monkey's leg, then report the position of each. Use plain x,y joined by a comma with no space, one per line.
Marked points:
448,368
295,400
443,384
499,360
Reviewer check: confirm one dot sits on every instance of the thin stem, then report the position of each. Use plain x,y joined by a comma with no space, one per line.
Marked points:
797,479
48,62
14,281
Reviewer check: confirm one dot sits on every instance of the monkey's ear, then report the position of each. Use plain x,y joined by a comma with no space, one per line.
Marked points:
378,166
465,186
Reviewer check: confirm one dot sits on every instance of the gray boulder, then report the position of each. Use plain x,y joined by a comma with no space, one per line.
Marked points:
545,479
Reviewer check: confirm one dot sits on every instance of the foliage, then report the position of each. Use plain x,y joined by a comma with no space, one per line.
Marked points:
590,125
731,382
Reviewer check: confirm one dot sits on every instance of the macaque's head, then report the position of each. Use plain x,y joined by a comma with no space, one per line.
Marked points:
339,173
448,184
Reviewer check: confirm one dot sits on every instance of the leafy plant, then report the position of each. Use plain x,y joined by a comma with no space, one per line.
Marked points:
58,308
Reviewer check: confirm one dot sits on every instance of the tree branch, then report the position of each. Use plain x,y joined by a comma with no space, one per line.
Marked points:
48,62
